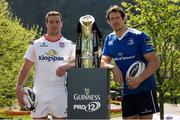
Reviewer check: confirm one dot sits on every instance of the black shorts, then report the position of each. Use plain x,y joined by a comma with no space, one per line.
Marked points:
143,103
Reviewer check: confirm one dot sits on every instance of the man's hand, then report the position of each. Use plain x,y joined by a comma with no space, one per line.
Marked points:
133,82
106,63
20,95
117,74
62,70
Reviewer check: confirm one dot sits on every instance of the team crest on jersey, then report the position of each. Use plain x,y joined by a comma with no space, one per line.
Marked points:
61,44
130,41
43,45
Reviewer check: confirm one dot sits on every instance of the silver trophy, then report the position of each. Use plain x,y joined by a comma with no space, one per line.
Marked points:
87,50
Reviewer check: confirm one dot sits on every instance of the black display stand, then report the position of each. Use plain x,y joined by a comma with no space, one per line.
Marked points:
88,93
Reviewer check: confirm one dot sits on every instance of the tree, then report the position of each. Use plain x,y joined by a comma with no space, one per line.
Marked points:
71,10
160,20
14,40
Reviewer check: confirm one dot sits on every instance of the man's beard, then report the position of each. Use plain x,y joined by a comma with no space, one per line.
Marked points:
118,29
54,33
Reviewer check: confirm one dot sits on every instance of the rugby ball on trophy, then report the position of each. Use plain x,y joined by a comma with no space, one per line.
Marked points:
29,98
135,69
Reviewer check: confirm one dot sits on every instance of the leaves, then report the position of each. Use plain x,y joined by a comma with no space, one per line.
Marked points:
160,19
14,40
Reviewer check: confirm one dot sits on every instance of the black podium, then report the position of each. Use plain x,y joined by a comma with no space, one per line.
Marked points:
88,93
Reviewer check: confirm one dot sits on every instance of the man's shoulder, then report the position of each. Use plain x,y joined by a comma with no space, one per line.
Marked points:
134,31
137,33
111,36
37,41
67,41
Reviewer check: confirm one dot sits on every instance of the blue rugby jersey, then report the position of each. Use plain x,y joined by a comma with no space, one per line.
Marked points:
131,47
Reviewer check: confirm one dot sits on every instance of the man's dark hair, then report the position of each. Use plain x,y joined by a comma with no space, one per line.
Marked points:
115,8
53,13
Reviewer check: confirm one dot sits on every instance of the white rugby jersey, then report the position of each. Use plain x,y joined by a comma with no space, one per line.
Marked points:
47,57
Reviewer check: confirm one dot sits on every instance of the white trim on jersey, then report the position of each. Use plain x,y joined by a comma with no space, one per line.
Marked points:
153,102
131,30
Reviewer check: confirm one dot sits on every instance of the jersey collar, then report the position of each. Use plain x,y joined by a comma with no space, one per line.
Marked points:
45,36
120,38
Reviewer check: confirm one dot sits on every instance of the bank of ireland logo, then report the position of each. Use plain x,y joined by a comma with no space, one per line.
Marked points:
120,54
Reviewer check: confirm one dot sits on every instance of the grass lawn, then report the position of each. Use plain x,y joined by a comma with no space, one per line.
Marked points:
117,114
7,117
2,116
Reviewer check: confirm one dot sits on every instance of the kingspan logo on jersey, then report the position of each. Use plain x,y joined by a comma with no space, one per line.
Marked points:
92,106
51,56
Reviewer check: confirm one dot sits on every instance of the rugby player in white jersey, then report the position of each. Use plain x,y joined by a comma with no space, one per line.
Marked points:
52,55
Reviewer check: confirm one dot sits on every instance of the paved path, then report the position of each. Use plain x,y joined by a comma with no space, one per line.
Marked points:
171,112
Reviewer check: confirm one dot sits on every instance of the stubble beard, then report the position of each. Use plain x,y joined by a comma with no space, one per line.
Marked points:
54,31
120,29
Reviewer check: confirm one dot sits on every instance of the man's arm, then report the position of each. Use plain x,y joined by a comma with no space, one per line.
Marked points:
22,79
152,66
64,68
106,63
61,70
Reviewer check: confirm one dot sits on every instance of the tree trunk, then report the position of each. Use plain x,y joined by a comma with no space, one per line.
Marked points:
162,110
161,102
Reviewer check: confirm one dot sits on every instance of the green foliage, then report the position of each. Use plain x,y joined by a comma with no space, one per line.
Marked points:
160,19
14,40
14,117
115,85
34,11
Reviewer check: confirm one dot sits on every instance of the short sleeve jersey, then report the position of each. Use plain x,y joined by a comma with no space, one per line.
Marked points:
47,57
131,47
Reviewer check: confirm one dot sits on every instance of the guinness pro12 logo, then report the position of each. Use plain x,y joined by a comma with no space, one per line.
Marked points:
92,106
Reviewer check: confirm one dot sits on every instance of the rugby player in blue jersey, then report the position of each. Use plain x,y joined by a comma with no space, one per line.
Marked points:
126,46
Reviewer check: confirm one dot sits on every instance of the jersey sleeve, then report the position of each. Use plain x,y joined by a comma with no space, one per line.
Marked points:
145,44
106,51
30,53
73,52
